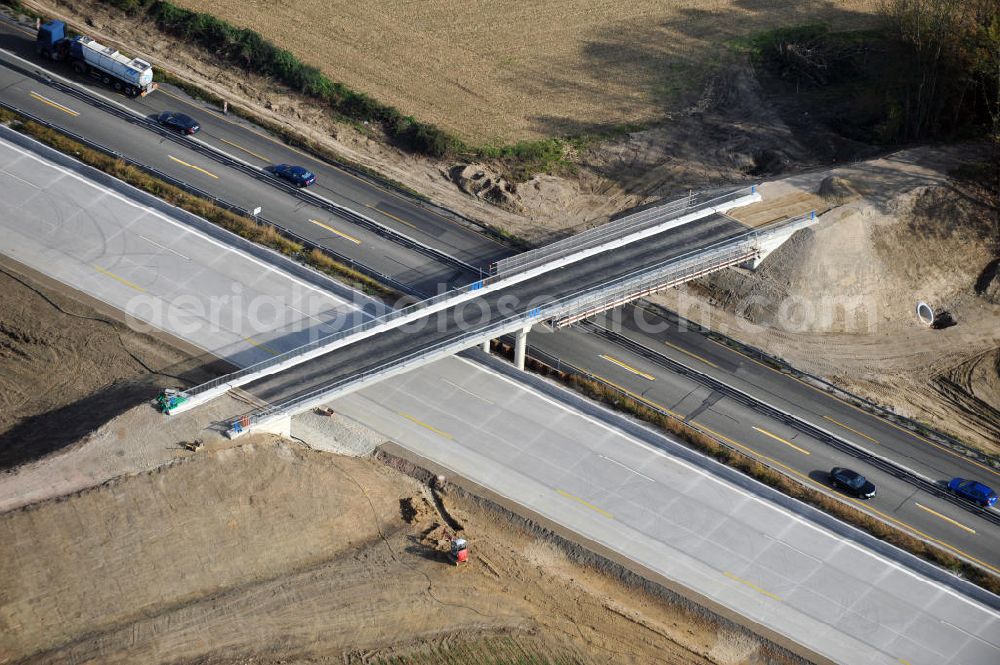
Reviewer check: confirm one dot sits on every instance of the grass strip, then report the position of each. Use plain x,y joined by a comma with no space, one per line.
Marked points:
757,470
262,234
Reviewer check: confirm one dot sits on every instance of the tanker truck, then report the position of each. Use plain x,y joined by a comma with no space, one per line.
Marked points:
132,76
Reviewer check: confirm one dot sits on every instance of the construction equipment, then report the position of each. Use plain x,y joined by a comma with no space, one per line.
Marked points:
459,551
169,399
193,446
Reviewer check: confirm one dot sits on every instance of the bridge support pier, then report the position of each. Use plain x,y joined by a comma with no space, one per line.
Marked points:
520,346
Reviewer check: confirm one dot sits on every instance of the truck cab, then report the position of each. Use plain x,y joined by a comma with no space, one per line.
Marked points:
51,41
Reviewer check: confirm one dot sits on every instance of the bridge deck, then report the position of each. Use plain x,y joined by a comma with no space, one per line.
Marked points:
392,345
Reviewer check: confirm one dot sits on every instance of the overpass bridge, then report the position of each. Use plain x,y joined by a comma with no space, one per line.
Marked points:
560,283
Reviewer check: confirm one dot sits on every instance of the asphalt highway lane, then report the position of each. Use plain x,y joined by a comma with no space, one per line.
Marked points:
240,139
957,527
171,155
735,549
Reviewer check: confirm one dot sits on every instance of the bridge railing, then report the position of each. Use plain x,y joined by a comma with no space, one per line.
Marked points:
620,228
719,255
613,230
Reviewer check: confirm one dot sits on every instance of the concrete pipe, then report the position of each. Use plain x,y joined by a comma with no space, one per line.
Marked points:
925,314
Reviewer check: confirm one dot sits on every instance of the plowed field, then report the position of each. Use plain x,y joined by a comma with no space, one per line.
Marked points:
503,71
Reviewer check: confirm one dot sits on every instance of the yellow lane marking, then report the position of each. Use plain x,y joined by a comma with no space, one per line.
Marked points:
861,504
391,216
430,427
586,503
752,586
192,166
124,281
693,355
261,345
55,105
758,454
944,517
778,438
339,233
903,661
246,150
639,398
629,368
924,535
860,410
850,429
285,146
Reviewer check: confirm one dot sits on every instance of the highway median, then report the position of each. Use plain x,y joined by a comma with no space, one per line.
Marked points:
727,452
254,231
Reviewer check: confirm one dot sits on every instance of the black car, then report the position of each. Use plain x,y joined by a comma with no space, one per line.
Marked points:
184,124
852,482
296,175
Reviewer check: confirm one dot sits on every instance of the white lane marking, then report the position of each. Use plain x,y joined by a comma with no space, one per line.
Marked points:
153,242
468,392
179,225
967,633
628,468
747,494
314,318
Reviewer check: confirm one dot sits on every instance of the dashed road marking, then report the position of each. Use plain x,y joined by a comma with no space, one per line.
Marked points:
784,441
55,105
629,368
192,166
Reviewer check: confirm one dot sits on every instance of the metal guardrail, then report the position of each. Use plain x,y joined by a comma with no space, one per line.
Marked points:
688,269
442,348
692,265
554,309
397,314
222,203
347,214
723,253
799,424
612,231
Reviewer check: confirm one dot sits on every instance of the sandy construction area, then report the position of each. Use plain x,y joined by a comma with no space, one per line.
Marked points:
496,72
68,364
273,553
838,299
124,547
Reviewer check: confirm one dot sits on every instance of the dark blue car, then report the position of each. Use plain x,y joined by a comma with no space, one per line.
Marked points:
973,491
296,175
184,124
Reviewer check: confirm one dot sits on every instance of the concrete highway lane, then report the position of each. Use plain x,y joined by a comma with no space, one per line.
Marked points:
173,155
158,269
254,145
806,584
955,528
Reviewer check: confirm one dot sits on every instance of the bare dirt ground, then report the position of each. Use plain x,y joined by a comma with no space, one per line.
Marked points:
499,72
838,300
271,552
126,547
69,365
712,127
